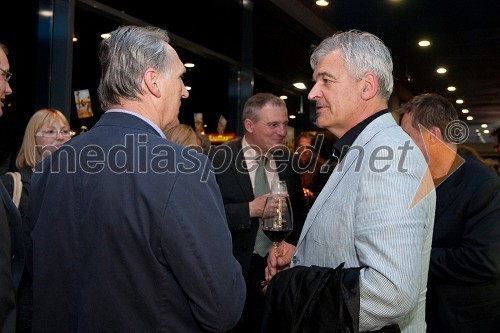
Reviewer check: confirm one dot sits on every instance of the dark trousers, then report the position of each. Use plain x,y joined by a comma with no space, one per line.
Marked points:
251,319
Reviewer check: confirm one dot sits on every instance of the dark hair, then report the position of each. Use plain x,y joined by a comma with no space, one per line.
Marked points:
324,147
496,133
430,110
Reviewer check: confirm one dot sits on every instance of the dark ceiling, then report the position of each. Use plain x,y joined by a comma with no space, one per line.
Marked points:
465,39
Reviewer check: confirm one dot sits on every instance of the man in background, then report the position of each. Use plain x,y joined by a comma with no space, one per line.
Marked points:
125,236
265,119
11,242
463,289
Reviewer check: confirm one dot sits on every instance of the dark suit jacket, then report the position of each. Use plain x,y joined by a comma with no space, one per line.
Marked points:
128,237
12,258
236,189
464,274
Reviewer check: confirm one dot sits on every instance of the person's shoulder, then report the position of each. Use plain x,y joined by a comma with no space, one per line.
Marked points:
477,171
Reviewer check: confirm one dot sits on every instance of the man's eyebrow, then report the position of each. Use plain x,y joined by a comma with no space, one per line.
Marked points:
324,74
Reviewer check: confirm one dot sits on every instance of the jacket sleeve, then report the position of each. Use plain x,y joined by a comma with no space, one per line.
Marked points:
212,281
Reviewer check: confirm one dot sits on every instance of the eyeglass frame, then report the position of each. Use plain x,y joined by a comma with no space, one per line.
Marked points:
58,132
6,74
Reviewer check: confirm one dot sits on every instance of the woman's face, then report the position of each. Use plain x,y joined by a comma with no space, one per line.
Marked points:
51,136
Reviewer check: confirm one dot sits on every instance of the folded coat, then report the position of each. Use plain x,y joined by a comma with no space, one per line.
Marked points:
313,299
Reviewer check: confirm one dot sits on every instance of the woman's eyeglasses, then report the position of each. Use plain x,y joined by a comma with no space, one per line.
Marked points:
6,74
52,133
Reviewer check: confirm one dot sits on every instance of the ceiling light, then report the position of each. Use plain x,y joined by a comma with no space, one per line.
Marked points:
292,116
46,13
484,125
470,118
299,85
105,36
188,88
283,97
459,101
465,111
486,131
441,70
451,88
189,65
322,3
75,39
424,43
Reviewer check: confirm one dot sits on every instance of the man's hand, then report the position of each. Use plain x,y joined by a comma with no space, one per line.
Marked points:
256,206
278,260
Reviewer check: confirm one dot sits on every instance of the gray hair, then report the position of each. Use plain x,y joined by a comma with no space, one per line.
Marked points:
255,103
125,57
362,52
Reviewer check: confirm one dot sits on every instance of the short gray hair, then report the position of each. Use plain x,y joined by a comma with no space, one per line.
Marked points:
125,57
362,52
255,103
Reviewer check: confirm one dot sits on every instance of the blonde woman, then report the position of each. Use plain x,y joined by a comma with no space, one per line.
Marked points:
46,131
184,135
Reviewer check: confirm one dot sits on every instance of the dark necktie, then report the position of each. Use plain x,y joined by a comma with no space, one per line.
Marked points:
261,187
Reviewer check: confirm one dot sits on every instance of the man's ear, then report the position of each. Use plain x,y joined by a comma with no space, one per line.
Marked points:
249,125
436,135
152,81
369,86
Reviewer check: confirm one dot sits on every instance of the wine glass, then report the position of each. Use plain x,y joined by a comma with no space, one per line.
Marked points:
277,219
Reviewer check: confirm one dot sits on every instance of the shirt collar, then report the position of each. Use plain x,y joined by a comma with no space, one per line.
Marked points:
156,128
341,147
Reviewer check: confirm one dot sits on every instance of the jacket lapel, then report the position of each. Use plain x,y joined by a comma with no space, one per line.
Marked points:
340,171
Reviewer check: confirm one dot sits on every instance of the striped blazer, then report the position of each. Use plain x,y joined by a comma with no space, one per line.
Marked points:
365,216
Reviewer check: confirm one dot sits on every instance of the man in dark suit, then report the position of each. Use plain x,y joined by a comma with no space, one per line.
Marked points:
127,235
463,289
265,120
11,242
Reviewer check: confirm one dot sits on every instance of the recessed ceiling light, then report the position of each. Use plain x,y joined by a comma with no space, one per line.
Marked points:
46,13
188,88
484,125
486,131
424,43
465,111
299,85
441,70
283,97
75,39
322,3
451,88
459,101
470,118
189,65
105,36
292,116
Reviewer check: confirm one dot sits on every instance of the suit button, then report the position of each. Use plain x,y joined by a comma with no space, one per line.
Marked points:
295,260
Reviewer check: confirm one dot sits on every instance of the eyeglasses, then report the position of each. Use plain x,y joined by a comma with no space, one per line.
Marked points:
6,74
52,133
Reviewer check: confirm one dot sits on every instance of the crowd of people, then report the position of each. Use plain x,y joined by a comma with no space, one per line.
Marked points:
139,225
